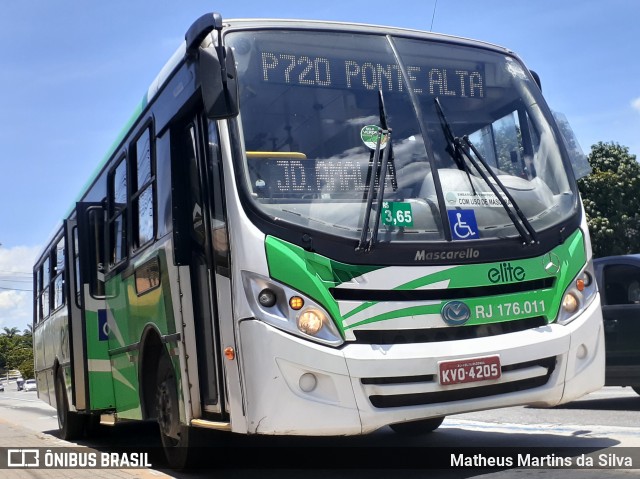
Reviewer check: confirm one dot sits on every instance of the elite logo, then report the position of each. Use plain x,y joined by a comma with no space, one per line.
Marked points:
506,273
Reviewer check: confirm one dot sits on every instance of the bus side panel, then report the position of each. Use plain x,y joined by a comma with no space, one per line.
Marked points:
41,366
136,300
51,347
125,383
58,351
98,363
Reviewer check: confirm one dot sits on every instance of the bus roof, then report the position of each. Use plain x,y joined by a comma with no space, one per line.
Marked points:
268,23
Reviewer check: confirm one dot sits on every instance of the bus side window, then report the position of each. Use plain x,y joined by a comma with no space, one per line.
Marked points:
142,191
39,313
49,291
96,253
76,268
197,229
45,302
118,213
220,234
58,280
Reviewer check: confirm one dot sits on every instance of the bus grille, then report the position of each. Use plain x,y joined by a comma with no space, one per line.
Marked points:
349,294
433,335
527,375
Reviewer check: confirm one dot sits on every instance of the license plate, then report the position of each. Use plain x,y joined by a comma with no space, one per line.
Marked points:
469,370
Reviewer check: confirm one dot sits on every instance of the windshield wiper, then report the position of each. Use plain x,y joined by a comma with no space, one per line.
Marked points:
381,175
528,235
451,148
520,222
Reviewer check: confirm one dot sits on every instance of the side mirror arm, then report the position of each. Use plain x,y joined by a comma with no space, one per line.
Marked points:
217,72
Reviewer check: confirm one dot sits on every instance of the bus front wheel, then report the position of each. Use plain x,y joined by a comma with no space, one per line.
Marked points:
174,435
70,423
414,428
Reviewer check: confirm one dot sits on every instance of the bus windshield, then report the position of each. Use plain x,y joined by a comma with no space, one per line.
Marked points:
310,120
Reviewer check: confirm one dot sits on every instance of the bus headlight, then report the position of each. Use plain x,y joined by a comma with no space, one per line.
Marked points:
578,295
289,310
569,303
310,321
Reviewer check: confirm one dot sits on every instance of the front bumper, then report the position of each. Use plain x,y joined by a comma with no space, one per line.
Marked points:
293,386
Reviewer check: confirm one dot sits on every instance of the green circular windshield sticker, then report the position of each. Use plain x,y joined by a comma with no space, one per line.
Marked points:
369,136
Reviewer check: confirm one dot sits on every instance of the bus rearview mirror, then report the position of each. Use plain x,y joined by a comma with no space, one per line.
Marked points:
219,86
536,78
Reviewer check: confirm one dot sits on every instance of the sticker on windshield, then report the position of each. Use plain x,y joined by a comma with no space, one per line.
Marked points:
369,136
463,224
396,213
515,69
466,199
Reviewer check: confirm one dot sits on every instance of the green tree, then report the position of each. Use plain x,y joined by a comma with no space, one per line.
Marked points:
26,368
28,331
21,358
16,351
611,197
10,332
9,341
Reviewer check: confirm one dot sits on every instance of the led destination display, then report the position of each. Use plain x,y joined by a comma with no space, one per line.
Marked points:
291,177
370,75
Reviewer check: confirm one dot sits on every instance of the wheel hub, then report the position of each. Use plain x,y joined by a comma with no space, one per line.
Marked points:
166,409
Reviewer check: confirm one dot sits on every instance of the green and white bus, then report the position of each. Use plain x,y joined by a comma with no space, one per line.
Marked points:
318,228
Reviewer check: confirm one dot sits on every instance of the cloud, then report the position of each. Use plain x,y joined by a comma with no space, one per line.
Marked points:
15,309
636,104
18,259
11,300
16,305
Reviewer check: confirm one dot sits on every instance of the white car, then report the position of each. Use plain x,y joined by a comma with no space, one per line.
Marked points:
30,385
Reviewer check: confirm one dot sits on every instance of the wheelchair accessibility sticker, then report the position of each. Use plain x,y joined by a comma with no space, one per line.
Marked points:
463,224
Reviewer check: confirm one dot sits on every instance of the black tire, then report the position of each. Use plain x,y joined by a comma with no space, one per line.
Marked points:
414,428
70,423
636,389
176,438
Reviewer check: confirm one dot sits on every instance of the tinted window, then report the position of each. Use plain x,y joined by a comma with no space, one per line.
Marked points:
621,284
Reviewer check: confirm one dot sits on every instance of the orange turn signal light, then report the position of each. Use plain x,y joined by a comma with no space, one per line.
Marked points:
296,302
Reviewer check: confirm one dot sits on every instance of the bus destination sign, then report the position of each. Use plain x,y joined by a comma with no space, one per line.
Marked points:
307,70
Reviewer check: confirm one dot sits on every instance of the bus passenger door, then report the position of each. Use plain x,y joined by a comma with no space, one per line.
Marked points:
194,193
91,366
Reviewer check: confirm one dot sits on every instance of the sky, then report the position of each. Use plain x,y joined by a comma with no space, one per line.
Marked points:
73,71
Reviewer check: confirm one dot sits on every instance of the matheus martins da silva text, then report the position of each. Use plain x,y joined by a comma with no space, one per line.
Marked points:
607,460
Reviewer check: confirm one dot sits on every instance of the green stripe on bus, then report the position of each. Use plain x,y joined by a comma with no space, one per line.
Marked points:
313,275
